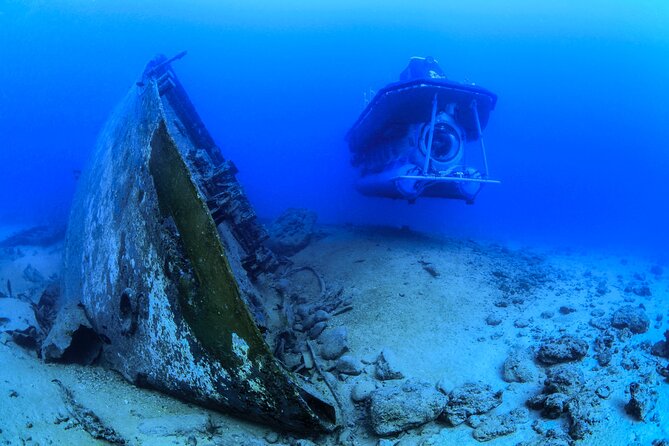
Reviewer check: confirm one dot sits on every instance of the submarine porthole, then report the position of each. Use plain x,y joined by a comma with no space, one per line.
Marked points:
446,142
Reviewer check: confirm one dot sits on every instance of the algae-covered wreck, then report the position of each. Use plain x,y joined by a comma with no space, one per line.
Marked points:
166,257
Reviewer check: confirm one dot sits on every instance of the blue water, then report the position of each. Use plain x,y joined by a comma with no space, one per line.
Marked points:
579,135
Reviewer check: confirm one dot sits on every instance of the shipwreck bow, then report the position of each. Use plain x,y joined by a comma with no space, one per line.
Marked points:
162,252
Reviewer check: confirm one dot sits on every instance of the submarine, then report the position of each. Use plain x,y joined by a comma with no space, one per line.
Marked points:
423,137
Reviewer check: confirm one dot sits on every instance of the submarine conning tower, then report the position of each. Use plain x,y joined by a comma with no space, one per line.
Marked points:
423,136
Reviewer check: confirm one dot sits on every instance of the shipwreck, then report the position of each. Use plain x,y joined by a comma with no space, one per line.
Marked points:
165,255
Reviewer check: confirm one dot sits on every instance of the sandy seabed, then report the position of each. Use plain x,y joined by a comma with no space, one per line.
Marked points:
451,310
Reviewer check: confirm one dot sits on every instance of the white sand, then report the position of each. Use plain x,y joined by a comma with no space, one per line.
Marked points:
435,325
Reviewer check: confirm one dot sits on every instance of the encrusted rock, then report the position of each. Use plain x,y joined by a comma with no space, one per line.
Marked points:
470,399
631,317
292,231
349,365
362,390
583,412
518,367
397,408
643,398
563,349
334,343
493,319
387,366
500,425
567,379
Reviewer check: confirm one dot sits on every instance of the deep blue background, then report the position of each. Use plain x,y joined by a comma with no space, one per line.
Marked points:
579,137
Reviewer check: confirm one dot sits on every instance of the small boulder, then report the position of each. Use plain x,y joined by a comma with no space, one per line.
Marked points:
292,231
397,408
387,366
566,379
500,425
518,367
643,399
583,412
563,349
334,343
349,365
631,317
362,391
470,399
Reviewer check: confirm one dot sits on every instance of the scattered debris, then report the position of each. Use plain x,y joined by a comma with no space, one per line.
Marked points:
87,419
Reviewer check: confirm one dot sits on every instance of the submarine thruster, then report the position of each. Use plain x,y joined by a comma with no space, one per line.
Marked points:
422,136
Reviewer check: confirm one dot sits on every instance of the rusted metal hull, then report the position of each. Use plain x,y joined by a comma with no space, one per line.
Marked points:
145,257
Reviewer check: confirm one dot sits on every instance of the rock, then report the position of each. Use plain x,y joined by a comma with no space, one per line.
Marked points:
550,437
397,408
349,365
362,391
567,379
521,322
182,425
631,317
500,425
518,367
601,323
387,366
604,348
567,309
317,329
643,398
271,437
292,231
470,399
304,442
72,338
554,405
547,314
657,270
334,343
583,412
640,289
493,320
601,289
563,349
661,348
